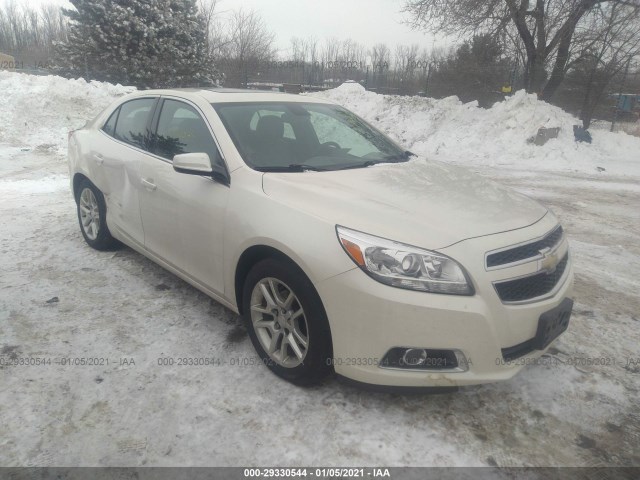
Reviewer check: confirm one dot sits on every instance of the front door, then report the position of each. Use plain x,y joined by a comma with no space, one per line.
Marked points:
183,215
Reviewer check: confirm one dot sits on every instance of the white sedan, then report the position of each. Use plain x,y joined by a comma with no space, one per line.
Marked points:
342,251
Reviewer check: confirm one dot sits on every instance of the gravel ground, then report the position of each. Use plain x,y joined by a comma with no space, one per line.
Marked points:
61,300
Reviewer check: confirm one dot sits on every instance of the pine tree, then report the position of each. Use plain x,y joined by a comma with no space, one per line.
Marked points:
146,43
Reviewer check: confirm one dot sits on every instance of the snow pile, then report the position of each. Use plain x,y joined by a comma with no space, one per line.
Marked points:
466,134
38,111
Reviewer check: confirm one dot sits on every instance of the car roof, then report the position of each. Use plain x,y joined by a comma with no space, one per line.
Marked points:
229,95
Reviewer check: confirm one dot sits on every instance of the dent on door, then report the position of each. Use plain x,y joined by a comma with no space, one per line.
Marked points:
121,167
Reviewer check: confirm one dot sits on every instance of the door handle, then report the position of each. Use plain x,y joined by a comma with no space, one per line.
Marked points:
98,158
149,185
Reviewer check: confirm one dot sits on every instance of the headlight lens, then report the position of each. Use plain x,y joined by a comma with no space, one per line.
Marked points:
404,266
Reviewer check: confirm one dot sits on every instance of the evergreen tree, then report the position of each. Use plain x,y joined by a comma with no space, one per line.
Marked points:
146,43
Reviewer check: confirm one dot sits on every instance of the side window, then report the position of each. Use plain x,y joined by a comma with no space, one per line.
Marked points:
110,127
181,129
131,126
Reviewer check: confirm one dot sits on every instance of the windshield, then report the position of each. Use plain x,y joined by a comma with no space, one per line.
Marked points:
281,136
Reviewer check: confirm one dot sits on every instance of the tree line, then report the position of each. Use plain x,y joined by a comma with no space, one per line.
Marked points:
31,31
570,52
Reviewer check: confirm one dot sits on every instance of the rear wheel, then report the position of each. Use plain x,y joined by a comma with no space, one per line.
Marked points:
286,322
92,216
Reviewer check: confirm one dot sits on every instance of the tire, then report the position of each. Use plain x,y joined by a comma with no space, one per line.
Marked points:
92,217
301,365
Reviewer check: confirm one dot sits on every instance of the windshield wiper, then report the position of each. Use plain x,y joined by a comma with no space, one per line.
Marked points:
301,167
367,163
403,157
294,167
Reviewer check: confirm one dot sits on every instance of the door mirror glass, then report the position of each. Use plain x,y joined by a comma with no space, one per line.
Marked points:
192,163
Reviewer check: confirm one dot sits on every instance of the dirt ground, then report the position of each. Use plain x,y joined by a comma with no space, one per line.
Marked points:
63,303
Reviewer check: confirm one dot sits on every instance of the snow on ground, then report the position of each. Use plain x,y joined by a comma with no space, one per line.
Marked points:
119,306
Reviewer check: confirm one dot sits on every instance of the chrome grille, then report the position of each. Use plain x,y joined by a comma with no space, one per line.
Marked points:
524,252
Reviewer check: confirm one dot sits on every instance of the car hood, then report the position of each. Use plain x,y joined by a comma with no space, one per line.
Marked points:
420,202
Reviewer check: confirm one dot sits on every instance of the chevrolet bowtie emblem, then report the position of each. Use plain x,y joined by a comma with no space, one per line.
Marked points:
549,261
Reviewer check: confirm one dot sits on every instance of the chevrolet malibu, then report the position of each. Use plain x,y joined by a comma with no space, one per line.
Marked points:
342,251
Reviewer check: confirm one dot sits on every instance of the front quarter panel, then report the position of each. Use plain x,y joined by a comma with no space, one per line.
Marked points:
254,219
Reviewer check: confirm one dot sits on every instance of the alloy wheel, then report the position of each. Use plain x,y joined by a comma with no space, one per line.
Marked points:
279,322
89,214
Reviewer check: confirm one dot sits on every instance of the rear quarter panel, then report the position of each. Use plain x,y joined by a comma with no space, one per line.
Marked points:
82,148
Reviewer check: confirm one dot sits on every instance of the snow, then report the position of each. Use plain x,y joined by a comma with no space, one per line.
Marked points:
43,109
464,133
621,269
119,305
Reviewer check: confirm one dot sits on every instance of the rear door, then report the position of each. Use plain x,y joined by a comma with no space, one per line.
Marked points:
119,150
183,214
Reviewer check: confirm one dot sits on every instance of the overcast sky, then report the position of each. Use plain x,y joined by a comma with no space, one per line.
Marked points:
365,21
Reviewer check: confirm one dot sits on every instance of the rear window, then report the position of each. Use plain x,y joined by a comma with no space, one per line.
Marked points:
110,127
131,125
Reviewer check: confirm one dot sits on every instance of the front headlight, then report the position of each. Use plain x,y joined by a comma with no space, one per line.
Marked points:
404,266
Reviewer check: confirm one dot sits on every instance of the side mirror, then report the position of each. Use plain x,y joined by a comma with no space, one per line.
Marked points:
200,164
192,164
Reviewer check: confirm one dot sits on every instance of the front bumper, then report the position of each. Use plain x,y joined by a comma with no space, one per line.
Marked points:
368,318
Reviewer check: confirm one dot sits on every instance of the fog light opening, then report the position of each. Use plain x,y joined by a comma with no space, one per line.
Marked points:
425,359
414,357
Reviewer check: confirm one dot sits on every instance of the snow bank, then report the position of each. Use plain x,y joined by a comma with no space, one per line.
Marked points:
466,134
38,111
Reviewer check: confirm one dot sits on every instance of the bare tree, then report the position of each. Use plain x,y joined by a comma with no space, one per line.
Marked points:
306,59
331,50
544,27
609,44
249,44
217,37
54,24
380,57
406,60
353,53
30,32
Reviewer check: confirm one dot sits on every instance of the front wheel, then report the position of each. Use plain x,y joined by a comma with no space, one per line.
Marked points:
286,322
92,216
